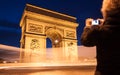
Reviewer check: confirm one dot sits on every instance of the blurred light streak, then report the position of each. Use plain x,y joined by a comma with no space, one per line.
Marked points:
52,55
10,48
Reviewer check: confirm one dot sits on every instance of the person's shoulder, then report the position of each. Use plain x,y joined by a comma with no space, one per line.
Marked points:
110,27
105,27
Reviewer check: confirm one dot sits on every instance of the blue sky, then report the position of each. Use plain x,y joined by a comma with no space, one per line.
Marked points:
11,12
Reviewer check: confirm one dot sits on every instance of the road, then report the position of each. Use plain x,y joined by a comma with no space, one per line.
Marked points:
47,69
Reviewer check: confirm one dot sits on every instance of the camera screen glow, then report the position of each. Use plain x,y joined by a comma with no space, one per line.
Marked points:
95,22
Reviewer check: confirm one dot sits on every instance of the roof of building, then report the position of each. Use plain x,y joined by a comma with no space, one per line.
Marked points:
50,13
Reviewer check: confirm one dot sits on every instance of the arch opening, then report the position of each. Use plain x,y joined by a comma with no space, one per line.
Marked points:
48,43
55,38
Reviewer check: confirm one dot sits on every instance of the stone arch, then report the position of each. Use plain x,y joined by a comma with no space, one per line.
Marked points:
55,36
39,23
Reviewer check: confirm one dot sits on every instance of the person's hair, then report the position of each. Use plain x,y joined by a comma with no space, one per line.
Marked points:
109,5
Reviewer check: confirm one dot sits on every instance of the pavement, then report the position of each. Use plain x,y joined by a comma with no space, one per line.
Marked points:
31,67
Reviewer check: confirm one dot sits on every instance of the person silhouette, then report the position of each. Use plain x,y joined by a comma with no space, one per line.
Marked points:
106,38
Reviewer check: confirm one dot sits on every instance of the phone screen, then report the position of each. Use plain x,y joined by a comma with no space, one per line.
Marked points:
95,22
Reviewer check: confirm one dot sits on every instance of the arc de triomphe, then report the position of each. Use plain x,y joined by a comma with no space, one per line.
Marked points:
38,24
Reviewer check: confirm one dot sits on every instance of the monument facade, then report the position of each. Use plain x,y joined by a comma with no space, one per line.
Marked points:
38,24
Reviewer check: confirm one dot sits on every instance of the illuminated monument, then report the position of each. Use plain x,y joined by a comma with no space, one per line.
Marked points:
37,25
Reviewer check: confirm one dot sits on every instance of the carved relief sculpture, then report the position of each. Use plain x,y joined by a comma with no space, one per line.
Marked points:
35,44
70,34
35,28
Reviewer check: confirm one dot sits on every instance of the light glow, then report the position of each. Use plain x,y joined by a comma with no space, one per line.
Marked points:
56,41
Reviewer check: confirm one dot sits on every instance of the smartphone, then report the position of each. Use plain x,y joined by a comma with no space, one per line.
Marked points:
95,22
